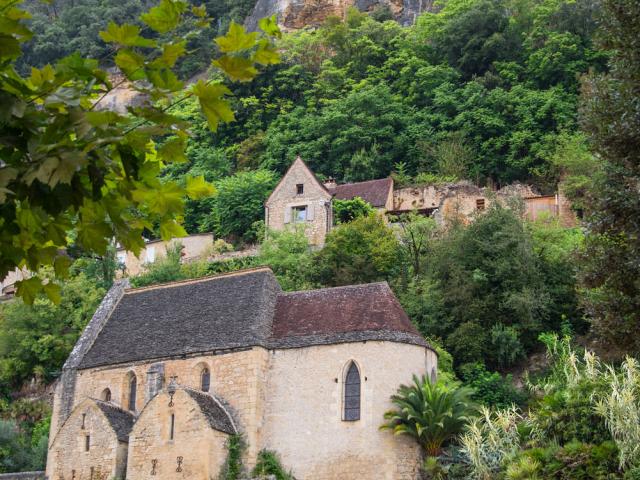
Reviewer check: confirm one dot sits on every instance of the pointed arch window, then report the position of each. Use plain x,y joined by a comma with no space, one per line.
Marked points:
205,379
106,395
352,394
133,390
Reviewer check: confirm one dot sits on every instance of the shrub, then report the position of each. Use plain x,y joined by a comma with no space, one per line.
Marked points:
164,269
490,440
289,256
491,388
364,250
345,211
431,413
573,461
232,468
269,464
505,347
468,343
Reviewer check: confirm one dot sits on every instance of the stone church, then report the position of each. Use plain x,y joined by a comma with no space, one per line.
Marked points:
163,376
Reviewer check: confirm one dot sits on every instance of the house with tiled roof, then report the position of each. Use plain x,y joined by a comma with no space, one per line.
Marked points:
164,376
301,199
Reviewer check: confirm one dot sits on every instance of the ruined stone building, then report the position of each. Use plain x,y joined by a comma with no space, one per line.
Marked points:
303,200
164,376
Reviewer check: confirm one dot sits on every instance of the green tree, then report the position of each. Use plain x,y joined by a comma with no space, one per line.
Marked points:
68,166
345,211
289,256
364,250
36,339
430,413
239,202
610,116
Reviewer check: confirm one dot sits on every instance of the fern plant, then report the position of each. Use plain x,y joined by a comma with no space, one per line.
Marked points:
431,413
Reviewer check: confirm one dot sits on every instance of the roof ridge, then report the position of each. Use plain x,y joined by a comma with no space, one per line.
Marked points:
340,287
363,181
206,278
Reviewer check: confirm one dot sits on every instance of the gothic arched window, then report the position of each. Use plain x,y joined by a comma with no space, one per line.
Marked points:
106,395
133,387
352,394
205,379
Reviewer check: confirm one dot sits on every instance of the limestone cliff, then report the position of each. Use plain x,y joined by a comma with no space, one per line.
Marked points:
296,14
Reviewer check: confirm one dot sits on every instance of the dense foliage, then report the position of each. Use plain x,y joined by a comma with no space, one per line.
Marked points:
489,288
611,117
72,173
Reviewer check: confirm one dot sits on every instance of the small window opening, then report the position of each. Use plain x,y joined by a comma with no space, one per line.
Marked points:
299,214
91,473
205,380
480,204
300,188
84,417
87,443
173,423
352,394
106,395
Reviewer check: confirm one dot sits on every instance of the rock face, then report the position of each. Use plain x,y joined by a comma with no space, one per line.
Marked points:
296,14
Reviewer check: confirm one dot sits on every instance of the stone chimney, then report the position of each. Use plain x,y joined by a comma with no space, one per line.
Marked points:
330,183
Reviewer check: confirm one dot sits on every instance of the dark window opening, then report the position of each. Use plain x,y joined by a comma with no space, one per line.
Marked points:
300,188
205,380
173,423
352,394
87,443
133,384
480,204
84,417
106,395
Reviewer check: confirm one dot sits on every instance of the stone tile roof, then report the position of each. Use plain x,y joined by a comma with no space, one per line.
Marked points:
214,411
342,314
221,312
375,192
240,310
121,421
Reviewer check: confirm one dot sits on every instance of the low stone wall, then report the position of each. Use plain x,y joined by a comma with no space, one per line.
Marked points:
22,476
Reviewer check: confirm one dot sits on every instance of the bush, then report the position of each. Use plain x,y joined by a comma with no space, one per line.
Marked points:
573,461
491,388
505,347
164,269
468,343
362,251
345,211
269,464
289,256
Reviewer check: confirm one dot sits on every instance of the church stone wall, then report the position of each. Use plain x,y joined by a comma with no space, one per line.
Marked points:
68,457
284,198
196,451
236,377
303,411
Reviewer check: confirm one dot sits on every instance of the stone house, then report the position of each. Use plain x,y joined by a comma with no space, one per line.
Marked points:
195,246
301,199
163,376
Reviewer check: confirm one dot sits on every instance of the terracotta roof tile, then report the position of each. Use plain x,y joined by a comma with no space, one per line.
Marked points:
351,313
375,192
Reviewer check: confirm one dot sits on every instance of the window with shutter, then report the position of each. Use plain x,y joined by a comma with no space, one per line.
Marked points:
352,394
299,214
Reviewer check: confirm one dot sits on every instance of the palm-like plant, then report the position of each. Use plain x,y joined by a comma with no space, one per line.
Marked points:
431,413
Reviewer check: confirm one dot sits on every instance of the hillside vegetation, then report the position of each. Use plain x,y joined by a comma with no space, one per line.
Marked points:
492,91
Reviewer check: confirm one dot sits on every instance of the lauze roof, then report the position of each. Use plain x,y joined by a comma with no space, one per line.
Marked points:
241,310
